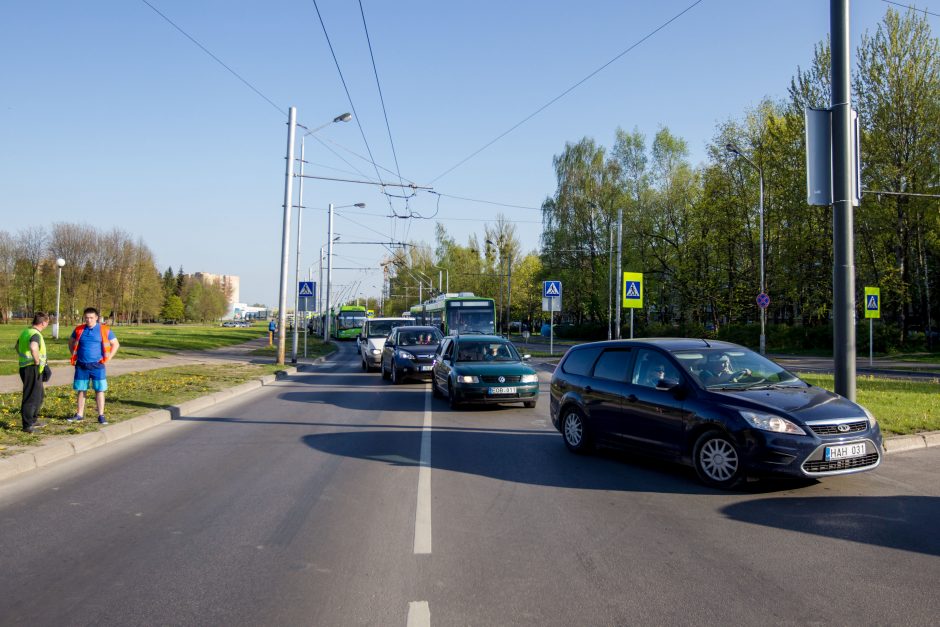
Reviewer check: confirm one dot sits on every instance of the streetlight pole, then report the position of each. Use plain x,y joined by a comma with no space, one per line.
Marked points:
285,234
760,172
300,217
618,275
329,275
60,262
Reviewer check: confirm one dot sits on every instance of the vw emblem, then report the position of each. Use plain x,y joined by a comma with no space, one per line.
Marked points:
843,428
502,379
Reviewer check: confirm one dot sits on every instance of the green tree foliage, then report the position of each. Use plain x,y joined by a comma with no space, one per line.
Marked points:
173,309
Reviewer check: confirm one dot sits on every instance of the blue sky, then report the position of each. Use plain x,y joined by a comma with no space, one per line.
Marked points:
112,117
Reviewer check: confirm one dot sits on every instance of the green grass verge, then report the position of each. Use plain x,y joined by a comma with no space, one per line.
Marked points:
146,340
901,406
315,348
128,396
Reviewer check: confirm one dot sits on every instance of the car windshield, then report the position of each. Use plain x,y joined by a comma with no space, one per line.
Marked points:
420,337
486,351
381,328
734,368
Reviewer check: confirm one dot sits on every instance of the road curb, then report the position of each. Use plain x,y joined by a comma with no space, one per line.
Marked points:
70,446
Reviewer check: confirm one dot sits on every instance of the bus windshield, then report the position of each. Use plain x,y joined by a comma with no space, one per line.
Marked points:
350,320
466,319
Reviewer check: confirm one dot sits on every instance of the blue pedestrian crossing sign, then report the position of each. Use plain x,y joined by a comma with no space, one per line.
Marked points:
551,289
307,295
872,302
633,290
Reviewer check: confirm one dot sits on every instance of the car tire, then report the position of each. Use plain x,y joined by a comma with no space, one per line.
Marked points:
528,404
574,430
717,461
396,376
385,374
434,391
452,397
365,366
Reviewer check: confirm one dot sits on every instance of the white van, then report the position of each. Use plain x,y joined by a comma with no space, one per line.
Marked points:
372,339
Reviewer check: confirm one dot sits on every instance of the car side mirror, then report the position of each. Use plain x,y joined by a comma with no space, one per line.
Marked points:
664,385
526,357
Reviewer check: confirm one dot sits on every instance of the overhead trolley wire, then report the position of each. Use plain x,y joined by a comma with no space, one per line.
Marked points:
567,91
349,96
281,110
924,11
379,86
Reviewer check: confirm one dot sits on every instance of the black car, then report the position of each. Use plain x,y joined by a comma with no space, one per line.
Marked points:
717,406
409,353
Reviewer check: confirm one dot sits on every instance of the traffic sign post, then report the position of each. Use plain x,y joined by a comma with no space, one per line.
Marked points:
551,301
872,311
632,294
307,292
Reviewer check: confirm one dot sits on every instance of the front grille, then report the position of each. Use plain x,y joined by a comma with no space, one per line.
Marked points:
854,427
842,464
509,379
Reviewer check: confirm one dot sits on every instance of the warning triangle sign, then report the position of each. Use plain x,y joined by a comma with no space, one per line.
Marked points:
306,289
633,290
552,290
873,303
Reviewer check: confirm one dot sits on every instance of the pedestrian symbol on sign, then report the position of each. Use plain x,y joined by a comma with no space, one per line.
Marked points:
873,303
633,290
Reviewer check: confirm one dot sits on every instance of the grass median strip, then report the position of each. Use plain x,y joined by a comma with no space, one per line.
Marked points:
901,406
128,396
146,340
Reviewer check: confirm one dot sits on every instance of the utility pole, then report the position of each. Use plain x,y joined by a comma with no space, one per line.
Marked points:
300,218
843,246
329,275
610,279
509,297
618,275
285,235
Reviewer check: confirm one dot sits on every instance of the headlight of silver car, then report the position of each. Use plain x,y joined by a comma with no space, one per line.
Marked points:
530,378
872,422
376,351
468,378
770,422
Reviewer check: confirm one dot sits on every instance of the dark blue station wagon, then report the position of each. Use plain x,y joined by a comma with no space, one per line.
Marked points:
719,407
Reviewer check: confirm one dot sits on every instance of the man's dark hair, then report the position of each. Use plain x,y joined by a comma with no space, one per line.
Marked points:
89,310
40,317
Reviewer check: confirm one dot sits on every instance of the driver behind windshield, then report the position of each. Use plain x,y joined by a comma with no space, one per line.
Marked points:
719,370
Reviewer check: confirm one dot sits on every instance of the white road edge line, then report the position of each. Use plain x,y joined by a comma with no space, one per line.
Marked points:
419,614
423,508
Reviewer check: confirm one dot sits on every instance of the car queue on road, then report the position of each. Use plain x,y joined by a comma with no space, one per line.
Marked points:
719,407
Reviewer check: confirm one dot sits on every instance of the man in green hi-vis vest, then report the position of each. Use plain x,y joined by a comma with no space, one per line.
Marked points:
31,349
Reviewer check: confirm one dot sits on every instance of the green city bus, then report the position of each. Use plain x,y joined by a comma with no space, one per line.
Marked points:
457,313
348,321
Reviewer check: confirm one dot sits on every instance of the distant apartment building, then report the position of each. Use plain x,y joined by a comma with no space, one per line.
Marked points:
228,282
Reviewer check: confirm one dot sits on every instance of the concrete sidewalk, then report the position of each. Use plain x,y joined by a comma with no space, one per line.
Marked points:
62,371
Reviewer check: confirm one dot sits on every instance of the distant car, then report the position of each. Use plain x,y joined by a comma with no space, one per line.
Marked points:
409,353
719,407
372,339
483,369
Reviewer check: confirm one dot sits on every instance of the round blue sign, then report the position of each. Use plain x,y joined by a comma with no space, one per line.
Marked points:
763,300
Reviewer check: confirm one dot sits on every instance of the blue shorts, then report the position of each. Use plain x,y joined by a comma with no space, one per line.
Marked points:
94,372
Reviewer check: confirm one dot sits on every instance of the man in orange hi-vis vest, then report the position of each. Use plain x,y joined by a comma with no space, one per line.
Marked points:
92,346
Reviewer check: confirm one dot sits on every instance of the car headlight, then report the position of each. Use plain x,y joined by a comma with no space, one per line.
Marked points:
405,355
771,422
872,422
468,378
376,351
530,378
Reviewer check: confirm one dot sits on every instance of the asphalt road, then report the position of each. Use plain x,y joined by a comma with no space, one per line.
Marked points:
335,498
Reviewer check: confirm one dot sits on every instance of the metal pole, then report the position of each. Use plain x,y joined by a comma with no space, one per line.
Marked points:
447,286
300,217
440,280
58,291
320,284
610,280
871,342
631,324
285,235
843,270
509,297
619,272
329,276
763,310
551,326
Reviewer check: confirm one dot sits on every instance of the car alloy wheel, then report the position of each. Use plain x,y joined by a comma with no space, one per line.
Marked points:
384,371
717,461
396,377
574,432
